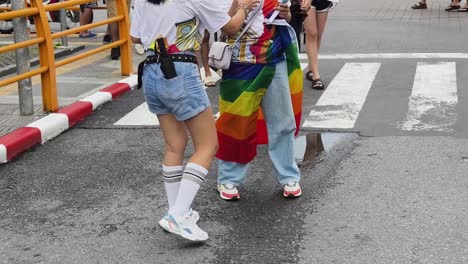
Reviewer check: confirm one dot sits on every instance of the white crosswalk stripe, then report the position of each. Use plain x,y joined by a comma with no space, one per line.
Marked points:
139,116
434,93
431,106
341,102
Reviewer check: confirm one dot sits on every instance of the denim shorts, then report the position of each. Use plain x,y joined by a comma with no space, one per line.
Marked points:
183,96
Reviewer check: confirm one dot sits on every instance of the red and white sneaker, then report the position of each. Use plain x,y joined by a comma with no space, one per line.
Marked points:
292,190
228,192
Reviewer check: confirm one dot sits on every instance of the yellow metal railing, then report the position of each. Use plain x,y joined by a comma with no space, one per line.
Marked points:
44,40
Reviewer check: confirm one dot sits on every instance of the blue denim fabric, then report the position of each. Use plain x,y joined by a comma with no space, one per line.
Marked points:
183,96
279,117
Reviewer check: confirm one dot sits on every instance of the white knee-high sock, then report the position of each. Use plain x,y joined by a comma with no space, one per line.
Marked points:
194,175
172,175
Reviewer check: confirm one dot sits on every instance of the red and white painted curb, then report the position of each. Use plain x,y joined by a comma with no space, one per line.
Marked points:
52,125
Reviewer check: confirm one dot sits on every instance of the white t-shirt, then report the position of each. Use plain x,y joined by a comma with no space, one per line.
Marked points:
182,22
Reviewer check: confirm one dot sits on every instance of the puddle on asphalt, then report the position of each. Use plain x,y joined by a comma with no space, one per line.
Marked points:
309,149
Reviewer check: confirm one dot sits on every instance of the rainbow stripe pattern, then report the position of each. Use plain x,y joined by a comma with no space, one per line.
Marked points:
241,126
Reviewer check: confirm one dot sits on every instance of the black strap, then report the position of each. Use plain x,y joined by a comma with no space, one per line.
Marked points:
155,59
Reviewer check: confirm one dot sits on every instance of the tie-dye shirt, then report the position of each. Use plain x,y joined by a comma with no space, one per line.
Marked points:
181,22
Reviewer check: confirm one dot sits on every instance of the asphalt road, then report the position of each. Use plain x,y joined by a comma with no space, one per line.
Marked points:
390,186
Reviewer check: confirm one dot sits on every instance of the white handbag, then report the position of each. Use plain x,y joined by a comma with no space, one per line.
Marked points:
220,53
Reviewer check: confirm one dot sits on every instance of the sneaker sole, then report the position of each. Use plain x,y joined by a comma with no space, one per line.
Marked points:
292,194
234,197
165,227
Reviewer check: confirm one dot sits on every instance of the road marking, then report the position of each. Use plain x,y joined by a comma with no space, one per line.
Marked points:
432,105
340,104
140,116
348,56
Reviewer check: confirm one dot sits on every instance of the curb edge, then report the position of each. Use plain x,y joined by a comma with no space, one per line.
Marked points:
42,130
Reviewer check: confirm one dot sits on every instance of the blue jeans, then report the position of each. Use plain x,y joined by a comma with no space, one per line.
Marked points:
279,118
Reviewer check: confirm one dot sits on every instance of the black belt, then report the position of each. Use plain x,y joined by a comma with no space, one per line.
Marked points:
155,59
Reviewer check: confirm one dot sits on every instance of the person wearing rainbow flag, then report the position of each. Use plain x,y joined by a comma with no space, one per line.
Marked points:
260,100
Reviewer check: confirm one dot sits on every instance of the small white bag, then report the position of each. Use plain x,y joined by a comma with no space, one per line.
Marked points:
220,54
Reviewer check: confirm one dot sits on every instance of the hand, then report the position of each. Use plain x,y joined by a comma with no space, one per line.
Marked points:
249,5
284,11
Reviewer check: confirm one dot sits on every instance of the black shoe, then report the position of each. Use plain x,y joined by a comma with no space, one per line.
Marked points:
115,53
106,39
419,6
318,84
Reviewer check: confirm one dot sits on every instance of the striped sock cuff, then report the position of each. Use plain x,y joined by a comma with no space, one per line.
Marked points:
172,174
195,173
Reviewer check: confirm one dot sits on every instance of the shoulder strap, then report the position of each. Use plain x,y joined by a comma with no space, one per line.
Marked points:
249,22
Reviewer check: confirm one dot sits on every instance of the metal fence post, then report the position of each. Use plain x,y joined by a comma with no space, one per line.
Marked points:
63,25
22,62
124,34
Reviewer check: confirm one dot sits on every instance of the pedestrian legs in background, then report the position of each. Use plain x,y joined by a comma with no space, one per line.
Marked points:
114,27
314,26
107,38
454,5
86,17
205,49
299,9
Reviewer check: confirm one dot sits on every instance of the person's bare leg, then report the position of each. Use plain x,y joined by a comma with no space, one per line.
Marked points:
86,17
205,140
321,22
310,28
114,33
203,133
175,137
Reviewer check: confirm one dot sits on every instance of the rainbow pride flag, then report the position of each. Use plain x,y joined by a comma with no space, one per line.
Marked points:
241,126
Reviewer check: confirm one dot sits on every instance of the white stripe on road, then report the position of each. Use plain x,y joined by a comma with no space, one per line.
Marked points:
432,105
340,104
140,116
348,56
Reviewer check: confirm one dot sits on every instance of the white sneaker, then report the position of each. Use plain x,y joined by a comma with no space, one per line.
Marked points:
184,226
165,224
194,214
228,192
292,190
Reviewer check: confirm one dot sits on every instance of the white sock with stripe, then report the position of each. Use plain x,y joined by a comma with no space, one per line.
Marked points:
194,175
172,175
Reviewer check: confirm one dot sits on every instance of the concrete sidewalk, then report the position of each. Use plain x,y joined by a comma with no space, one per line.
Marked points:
74,82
